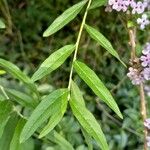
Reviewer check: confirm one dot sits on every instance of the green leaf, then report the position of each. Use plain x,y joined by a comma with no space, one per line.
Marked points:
76,94
8,132
88,139
98,3
2,24
89,123
55,119
48,106
17,73
5,110
60,140
53,62
15,144
92,80
64,18
103,41
21,98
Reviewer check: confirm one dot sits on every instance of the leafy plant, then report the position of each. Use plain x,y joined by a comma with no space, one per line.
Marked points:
40,114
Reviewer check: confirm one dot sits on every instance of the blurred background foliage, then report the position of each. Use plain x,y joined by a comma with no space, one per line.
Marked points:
22,44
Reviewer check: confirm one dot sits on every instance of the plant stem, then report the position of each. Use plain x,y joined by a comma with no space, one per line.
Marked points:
77,44
143,113
3,91
132,36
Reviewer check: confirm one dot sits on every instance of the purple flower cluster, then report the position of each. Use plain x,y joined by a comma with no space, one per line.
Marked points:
135,76
138,76
135,8
124,5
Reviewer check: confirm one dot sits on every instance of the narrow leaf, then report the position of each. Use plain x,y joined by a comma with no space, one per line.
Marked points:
88,139
103,41
92,80
2,25
76,94
21,98
55,119
60,140
64,18
97,3
89,123
8,132
15,144
48,106
17,73
5,110
53,62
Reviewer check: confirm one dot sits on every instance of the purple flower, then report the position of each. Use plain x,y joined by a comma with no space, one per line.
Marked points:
135,76
145,60
119,5
146,49
147,123
146,73
143,21
138,7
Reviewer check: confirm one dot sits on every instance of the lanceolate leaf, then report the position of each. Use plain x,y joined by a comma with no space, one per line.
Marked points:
76,94
103,41
92,80
53,62
5,110
15,144
21,98
17,73
89,123
8,132
55,119
97,3
60,140
64,18
88,139
48,106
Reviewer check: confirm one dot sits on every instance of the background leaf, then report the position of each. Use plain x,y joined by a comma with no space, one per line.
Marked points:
15,144
2,24
60,140
92,80
5,110
53,62
9,130
17,73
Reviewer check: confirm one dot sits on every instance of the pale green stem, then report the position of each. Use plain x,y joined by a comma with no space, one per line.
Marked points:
3,91
77,44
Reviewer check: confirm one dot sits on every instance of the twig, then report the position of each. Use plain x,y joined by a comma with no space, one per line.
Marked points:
100,107
143,113
3,91
77,44
132,36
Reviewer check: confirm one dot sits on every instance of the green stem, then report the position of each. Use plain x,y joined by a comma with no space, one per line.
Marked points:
3,91
77,44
